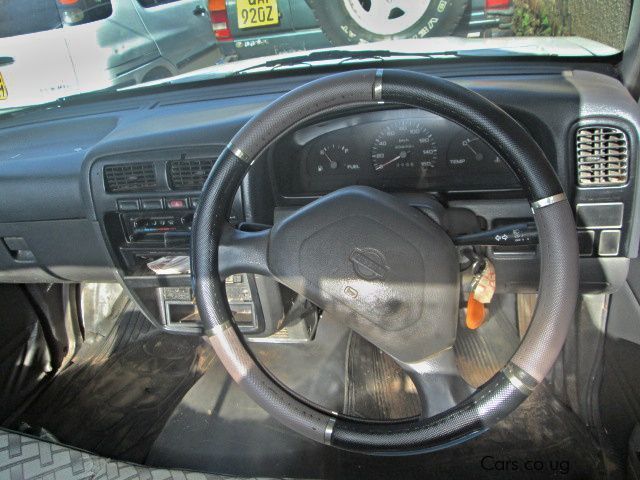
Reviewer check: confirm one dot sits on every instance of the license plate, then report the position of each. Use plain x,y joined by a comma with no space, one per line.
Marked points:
4,93
257,13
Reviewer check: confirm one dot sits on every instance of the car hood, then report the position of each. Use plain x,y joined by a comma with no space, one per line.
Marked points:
437,47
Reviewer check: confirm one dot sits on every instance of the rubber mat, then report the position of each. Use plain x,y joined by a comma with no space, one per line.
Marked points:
620,393
218,428
116,396
22,456
376,387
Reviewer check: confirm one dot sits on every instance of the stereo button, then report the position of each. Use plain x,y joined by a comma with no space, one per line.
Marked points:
176,203
127,205
151,203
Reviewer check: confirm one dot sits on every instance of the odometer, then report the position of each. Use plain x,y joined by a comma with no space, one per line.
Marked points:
404,148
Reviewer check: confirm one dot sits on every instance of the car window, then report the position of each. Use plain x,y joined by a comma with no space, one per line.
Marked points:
214,39
78,12
22,17
154,3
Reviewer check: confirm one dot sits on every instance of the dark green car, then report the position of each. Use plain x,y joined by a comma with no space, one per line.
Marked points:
250,28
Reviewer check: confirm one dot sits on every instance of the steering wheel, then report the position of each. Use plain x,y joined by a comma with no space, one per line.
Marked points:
385,269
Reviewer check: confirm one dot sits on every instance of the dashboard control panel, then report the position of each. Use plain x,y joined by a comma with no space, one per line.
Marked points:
144,225
168,228
389,149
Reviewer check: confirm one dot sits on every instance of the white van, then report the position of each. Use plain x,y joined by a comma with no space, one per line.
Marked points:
131,40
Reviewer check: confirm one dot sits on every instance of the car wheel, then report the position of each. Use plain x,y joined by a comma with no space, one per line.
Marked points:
157,73
361,21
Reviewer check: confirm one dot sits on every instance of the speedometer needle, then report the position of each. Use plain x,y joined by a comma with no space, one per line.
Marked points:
403,154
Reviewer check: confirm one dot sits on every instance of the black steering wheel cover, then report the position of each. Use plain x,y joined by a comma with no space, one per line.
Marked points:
213,208
545,338
489,404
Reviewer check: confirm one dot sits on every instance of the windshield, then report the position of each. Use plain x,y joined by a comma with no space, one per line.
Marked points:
54,49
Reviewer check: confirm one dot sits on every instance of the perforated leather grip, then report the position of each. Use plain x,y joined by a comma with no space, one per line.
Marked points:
492,402
558,290
558,248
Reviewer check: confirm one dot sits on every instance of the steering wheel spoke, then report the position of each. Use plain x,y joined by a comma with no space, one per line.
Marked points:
243,251
438,382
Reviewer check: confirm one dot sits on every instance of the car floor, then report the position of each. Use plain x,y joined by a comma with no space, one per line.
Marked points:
135,393
121,387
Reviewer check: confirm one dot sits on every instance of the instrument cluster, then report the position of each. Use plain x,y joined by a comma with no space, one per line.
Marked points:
391,149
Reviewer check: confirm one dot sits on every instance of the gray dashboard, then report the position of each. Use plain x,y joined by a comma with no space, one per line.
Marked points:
53,204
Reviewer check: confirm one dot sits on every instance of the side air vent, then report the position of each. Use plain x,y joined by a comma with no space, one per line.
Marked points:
130,177
603,156
188,174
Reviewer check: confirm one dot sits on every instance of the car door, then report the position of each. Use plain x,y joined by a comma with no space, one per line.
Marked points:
181,28
620,375
35,66
109,44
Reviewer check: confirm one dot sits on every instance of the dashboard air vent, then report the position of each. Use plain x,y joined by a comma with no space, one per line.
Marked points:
189,174
130,177
603,156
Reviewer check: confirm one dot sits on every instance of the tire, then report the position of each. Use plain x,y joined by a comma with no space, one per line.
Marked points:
339,20
156,73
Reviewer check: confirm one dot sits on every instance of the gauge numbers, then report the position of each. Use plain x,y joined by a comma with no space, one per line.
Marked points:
404,148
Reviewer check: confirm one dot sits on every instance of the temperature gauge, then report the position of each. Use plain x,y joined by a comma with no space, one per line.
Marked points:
468,152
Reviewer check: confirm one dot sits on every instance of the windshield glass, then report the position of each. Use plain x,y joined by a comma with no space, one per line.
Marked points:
54,49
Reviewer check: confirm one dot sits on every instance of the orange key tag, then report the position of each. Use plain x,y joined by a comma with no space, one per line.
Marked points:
475,313
482,289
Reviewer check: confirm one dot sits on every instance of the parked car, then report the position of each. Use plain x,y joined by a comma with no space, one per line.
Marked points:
53,48
249,28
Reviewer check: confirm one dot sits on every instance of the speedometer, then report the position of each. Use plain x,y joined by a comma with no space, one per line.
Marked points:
404,148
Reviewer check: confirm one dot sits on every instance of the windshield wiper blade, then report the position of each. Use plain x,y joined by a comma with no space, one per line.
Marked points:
318,56
344,55
308,60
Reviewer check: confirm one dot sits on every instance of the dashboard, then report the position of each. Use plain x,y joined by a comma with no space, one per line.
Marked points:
399,149
118,179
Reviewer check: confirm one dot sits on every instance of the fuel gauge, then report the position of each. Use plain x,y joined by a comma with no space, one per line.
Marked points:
331,159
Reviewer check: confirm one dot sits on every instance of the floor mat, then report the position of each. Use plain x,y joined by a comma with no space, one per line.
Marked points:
218,428
116,396
620,393
376,387
22,456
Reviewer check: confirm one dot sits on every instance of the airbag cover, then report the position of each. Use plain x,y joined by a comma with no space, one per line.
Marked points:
389,270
